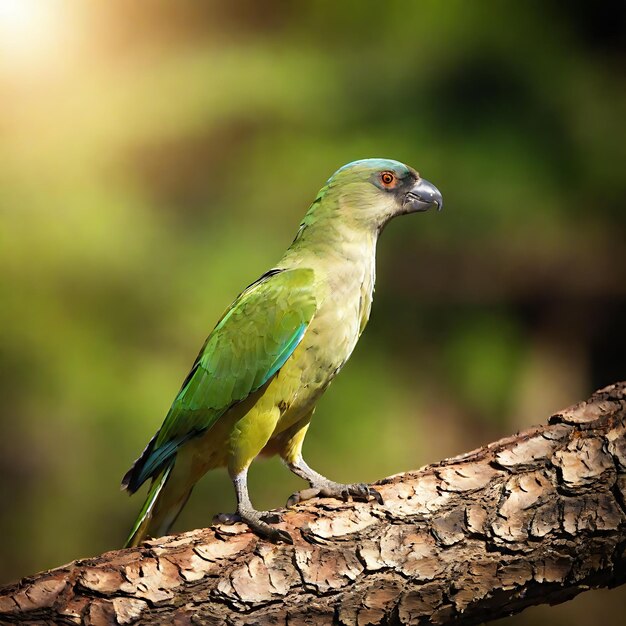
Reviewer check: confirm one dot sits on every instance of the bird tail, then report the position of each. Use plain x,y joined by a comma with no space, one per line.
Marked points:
163,503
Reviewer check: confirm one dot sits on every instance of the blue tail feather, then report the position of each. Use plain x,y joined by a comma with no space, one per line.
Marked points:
149,463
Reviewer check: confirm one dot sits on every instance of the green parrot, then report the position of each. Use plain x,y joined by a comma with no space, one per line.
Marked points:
253,388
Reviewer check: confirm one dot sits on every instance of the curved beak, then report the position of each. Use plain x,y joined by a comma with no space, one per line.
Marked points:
422,196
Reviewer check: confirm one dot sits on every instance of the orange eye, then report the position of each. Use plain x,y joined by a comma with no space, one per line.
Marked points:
388,179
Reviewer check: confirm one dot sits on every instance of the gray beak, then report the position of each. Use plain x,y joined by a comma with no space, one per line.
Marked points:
422,196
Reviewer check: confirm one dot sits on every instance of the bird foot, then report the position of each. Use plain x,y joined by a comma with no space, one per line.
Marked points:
259,522
234,518
330,489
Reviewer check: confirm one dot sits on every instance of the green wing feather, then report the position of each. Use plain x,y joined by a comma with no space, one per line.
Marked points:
251,342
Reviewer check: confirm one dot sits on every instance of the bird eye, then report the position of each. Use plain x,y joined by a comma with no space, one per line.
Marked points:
388,179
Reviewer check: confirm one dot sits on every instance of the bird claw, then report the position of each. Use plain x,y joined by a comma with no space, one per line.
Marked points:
361,491
258,525
376,495
234,518
280,536
358,491
259,522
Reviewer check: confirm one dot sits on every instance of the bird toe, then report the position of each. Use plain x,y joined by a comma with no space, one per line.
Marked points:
270,517
227,518
302,496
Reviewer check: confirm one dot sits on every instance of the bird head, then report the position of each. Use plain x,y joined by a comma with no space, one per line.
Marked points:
370,192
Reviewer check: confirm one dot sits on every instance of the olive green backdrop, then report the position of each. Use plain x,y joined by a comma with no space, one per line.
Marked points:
156,157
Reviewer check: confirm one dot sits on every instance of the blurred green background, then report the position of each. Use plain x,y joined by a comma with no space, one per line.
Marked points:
157,157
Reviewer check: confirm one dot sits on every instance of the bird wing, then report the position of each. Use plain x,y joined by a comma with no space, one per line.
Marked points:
251,342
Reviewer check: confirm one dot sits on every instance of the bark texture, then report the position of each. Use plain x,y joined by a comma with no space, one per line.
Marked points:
534,518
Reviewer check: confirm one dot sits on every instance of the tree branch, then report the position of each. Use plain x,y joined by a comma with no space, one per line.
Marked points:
534,518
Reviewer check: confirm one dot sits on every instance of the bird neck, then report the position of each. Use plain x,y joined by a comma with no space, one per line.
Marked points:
325,240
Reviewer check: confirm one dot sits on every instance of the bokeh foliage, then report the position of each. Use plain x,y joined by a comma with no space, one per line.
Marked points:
159,157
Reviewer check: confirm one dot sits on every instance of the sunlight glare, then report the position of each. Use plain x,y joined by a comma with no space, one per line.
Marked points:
29,29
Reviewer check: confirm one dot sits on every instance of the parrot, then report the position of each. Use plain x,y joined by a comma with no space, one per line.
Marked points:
254,386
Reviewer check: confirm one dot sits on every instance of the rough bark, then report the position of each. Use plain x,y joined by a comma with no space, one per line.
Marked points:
534,518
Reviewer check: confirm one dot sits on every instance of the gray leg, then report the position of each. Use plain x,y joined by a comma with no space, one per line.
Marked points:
321,486
256,520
